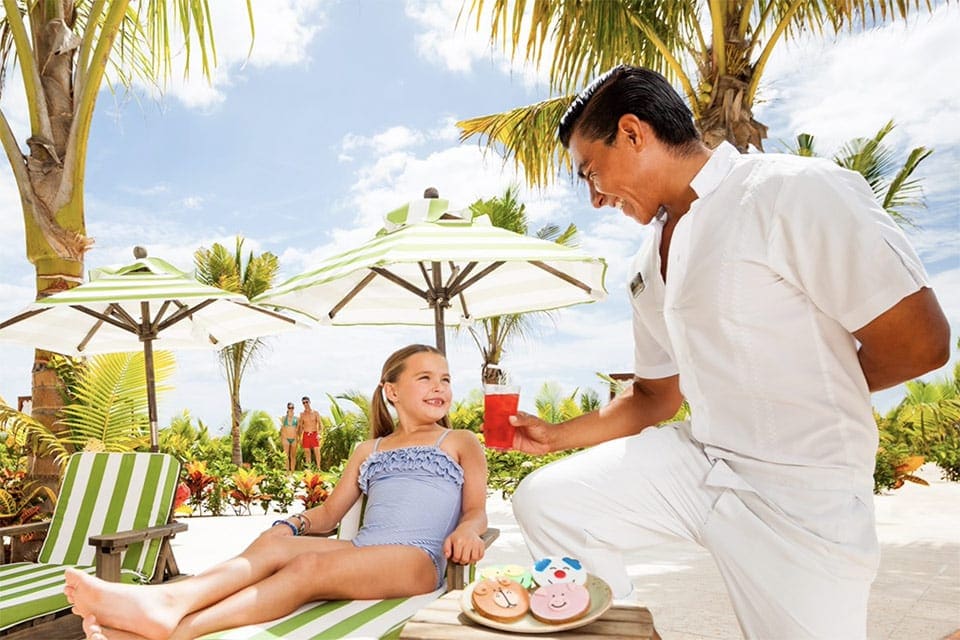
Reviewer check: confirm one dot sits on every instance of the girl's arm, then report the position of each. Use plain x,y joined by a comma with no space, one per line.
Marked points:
327,516
465,545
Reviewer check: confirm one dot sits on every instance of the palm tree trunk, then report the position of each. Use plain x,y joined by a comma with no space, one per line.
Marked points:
53,275
236,453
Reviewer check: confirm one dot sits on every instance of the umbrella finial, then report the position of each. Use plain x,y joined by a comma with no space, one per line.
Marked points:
139,252
431,192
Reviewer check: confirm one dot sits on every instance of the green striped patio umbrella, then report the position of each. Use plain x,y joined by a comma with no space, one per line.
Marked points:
425,264
132,307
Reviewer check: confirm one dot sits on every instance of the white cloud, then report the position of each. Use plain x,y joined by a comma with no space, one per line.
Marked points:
283,32
393,139
457,45
192,203
853,85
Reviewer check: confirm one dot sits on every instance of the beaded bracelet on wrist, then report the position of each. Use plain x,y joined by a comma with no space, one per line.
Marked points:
296,531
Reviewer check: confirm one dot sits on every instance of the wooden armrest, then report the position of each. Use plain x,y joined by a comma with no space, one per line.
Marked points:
116,542
457,577
489,536
109,546
19,530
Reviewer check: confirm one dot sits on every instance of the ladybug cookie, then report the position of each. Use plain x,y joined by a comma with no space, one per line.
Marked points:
500,599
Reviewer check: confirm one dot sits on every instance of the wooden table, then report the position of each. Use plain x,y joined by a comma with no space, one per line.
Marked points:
443,620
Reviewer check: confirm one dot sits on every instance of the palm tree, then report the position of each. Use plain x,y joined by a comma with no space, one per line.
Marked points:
507,212
873,159
219,267
62,49
715,51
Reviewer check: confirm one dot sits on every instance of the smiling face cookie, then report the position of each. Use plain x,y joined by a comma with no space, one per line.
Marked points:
554,570
500,599
559,603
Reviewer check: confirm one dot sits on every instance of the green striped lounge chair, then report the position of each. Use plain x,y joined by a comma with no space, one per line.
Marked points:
354,619
113,518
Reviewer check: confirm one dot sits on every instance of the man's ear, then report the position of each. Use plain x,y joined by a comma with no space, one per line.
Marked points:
632,129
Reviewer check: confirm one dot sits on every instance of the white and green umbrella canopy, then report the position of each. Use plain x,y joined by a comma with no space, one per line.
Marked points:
426,268
133,307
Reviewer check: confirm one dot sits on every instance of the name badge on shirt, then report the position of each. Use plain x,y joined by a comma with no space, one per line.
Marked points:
637,285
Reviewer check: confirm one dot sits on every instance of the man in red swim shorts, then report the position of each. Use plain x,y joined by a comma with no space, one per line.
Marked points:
310,434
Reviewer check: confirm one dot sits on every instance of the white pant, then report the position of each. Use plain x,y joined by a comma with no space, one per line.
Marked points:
797,562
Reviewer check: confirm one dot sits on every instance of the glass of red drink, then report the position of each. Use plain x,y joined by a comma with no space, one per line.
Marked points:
499,403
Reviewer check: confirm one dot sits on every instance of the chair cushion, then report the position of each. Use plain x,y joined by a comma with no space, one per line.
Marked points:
336,619
107,493
29,590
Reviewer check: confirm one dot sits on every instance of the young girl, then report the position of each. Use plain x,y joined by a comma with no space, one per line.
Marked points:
401,549
288,437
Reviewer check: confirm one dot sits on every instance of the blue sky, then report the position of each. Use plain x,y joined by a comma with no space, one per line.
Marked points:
346,110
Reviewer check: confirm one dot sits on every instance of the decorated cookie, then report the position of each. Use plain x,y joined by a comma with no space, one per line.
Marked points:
552,570
510,571
560,602
500,599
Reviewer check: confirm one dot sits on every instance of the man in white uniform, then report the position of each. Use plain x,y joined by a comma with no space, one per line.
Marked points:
774,295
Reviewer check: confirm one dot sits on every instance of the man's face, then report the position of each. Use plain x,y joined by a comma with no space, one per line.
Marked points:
617,174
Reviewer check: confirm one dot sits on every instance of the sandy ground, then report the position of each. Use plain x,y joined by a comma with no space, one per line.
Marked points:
916,595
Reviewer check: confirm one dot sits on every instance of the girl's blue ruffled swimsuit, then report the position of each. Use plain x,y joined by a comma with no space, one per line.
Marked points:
414,498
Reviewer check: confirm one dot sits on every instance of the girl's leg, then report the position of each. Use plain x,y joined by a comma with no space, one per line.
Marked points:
155,610
93,631
385,571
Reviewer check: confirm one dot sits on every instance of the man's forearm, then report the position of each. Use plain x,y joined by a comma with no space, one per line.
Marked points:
644,404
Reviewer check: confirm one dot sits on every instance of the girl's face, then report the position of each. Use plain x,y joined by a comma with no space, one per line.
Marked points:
421,393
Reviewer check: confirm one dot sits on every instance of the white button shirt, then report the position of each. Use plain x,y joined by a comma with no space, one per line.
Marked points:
773,267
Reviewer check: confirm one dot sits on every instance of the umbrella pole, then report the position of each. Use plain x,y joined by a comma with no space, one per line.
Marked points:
438,326
146,336
151,395
439,301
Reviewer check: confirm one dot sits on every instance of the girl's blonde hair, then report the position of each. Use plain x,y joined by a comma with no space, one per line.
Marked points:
381,422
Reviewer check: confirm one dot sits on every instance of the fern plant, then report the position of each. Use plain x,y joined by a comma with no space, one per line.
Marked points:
107,408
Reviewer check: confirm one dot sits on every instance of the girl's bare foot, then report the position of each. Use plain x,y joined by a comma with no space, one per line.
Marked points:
120,608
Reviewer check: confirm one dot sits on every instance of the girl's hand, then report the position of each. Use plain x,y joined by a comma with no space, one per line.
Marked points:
463,547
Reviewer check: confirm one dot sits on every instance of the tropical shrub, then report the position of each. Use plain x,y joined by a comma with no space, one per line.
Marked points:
22,501
200,483
344,429
316,488
507,468
243,489
468,413
278,487
259,435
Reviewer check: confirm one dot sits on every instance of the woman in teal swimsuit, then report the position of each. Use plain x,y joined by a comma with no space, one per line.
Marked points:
413,461
288,437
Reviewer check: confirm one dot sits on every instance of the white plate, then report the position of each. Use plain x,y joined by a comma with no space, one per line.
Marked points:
601,597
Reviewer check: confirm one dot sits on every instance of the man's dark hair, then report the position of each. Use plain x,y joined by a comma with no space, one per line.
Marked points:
646,94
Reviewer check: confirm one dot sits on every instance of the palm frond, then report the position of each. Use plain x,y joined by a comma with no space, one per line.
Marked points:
904,193
504,211
110,412
26,431
585,38
527,135
567,237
